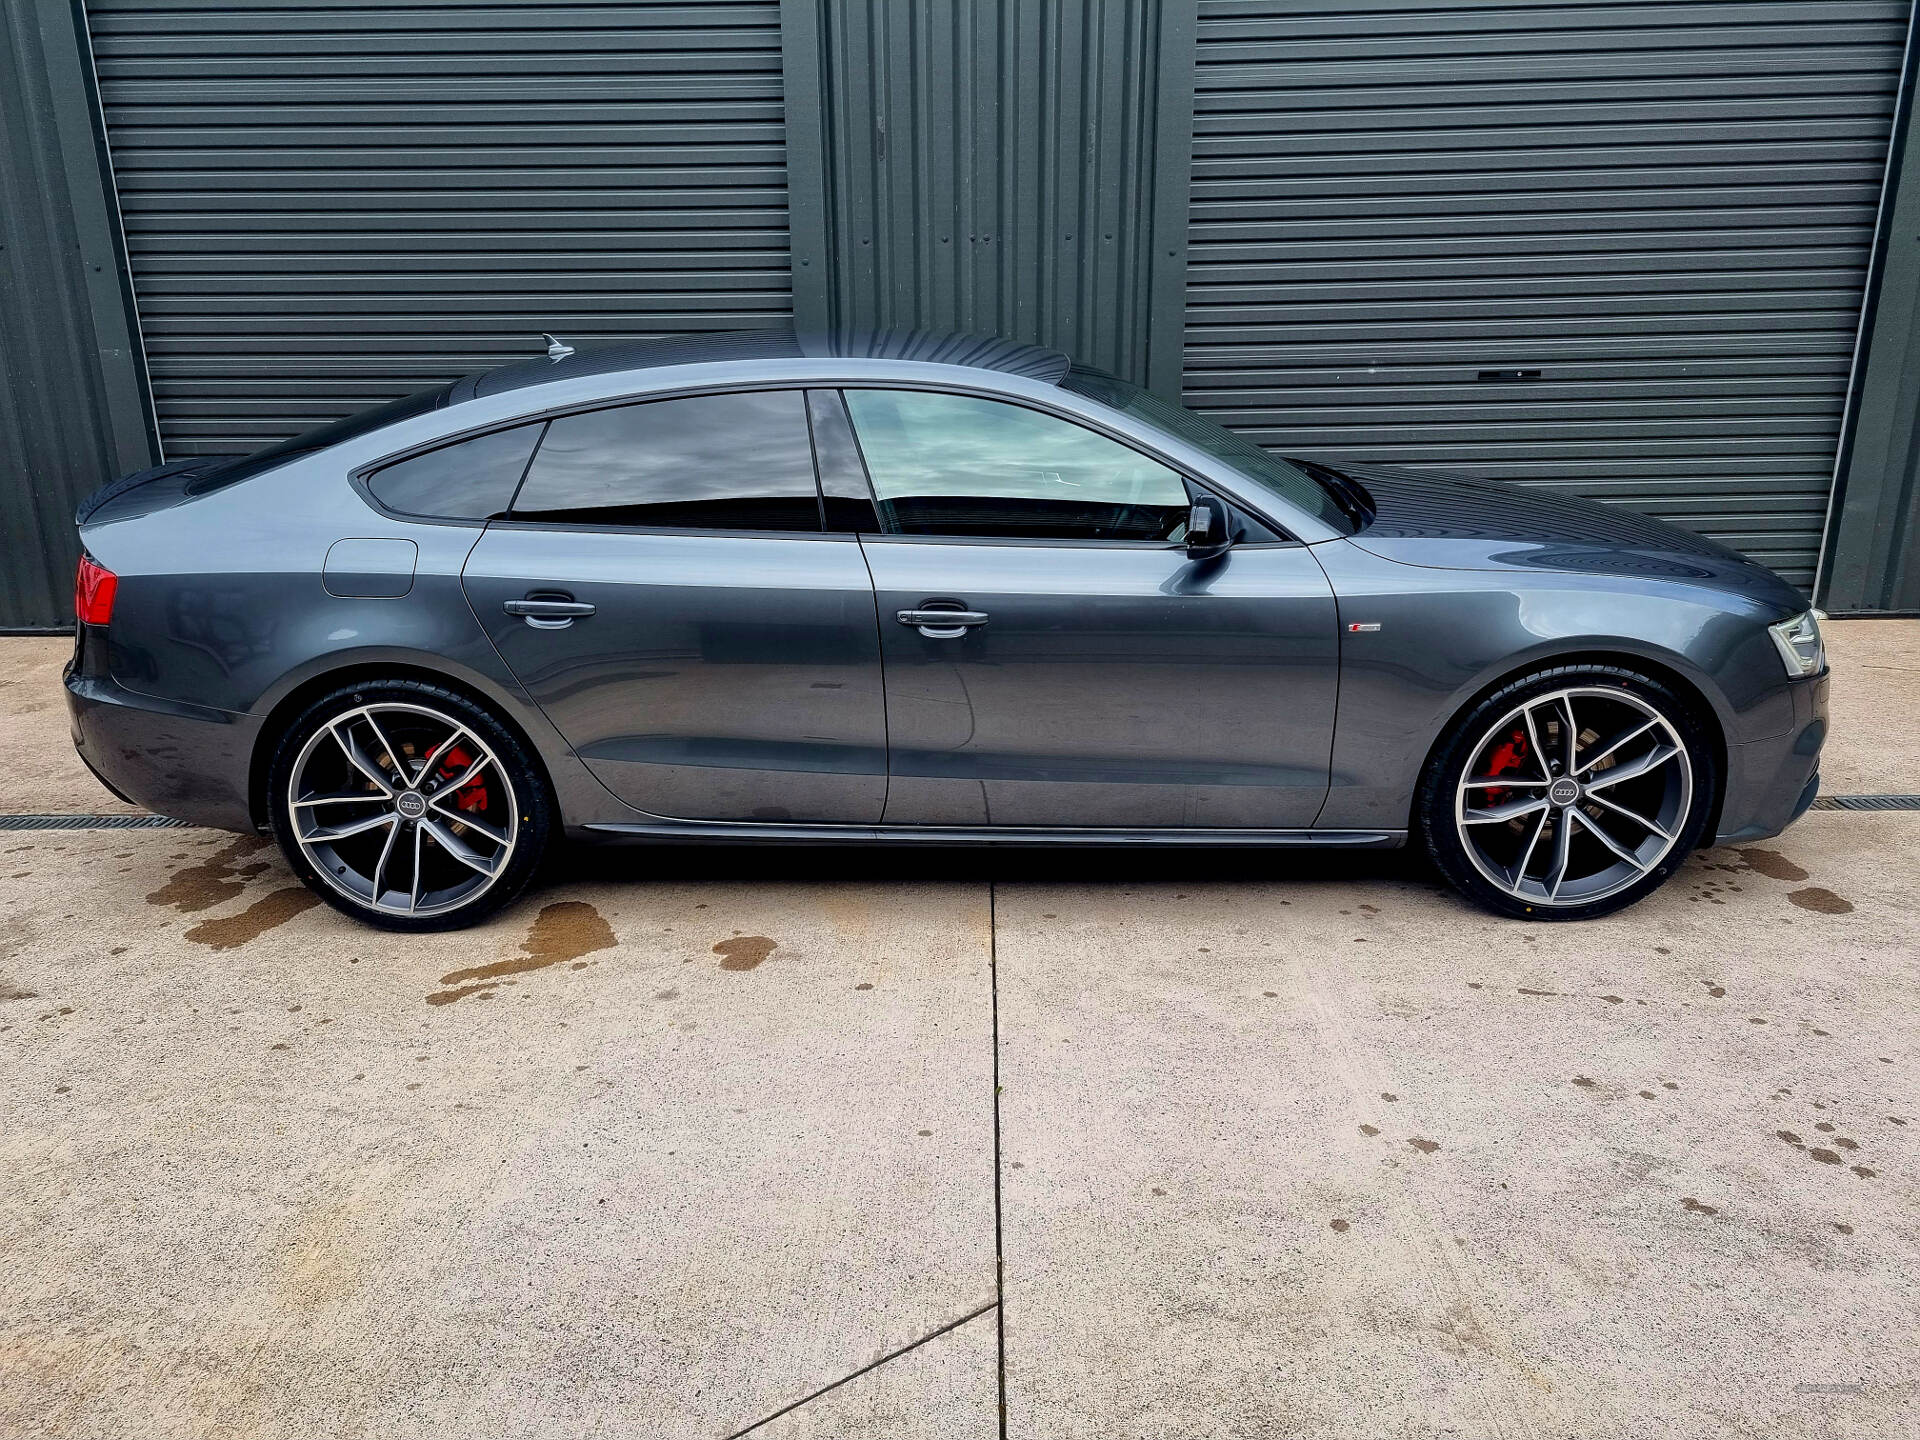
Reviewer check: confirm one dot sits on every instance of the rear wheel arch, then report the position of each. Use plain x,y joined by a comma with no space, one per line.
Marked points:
290,706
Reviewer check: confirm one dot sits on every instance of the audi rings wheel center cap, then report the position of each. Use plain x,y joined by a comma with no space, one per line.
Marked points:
1562,792
411,804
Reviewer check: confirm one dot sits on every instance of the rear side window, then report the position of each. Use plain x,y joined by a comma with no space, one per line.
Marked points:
473,480
739,461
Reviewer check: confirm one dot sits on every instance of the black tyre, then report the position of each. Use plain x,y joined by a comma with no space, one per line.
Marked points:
408,806
1569,793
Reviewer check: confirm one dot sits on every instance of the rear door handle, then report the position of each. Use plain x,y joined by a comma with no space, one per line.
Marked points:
545,614
941,624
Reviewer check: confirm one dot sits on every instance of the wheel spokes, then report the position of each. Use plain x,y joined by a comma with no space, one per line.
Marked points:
343,737
1634,769
380,866
329,834
1637,819
1519,873
439,808
363,797
1562,854
1499,814
1619,850
1628,738
460,851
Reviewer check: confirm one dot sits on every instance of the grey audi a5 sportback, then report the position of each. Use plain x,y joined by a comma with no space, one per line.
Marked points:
907,587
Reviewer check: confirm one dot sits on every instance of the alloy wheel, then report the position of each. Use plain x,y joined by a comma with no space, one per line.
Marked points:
1574,795
403,809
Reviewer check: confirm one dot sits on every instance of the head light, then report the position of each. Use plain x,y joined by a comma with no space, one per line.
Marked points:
1798,641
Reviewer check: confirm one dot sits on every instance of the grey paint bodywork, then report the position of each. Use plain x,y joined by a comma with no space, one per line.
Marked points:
735,685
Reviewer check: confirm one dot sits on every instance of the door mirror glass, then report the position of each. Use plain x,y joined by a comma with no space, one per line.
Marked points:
1207,527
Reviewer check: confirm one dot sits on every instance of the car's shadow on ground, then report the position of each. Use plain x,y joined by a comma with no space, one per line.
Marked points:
1027,864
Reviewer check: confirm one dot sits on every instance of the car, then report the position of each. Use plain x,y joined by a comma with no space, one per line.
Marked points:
904,587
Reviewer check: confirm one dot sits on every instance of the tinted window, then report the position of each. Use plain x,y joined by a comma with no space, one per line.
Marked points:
473,480
1287,481
958,465
707,462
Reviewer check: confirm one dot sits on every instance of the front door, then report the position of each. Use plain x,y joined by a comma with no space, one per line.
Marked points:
664,590
1092,674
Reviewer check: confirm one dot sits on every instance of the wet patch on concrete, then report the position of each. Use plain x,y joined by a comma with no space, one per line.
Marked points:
1425,1147
267,913
1690,1204
1772,864
562,932
217,878
744,952
1821,900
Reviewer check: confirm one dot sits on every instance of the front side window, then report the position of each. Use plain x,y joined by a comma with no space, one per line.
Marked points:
740,461
470,480
964,466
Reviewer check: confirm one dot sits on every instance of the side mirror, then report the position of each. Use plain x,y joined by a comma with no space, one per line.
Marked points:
1207,528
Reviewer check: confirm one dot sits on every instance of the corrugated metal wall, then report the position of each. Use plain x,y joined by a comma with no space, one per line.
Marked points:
70,408
332,202
1873,542
1664,208
993,166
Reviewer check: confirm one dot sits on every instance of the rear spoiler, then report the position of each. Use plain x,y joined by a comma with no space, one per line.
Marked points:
114,489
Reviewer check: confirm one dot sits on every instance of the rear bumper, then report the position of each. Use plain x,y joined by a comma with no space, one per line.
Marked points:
189,762
1770,783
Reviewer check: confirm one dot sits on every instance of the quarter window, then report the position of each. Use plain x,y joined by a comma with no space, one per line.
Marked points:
471,480
739,461
964,466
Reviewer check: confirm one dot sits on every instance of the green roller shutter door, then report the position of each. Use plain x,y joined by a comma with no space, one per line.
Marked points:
329,203
1665,209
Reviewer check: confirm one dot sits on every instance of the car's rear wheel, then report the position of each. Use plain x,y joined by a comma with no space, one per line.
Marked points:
1569,794
408,806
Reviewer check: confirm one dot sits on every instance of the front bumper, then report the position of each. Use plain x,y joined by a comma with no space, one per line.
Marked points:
189,762
1770,783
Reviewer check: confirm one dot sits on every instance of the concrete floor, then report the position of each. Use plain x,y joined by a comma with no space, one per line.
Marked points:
672,1147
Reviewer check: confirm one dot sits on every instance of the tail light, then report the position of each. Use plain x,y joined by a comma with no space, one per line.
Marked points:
93,590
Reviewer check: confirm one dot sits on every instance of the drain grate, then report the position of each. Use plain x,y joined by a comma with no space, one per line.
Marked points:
1867,802
91,822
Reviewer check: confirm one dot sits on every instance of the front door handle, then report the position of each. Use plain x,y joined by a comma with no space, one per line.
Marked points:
548,614
942,624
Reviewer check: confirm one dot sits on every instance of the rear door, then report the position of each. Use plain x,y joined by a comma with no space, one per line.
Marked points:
664,589
1093,674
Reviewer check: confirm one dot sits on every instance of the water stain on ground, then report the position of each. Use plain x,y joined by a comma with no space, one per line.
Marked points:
561,932
744,952
1425,1147
218,877
1338,1225
1820,899
1369,1130
268,912
10,990
1772,864
1689,1203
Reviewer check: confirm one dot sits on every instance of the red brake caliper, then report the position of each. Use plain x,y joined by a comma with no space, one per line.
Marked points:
1511,755
472,795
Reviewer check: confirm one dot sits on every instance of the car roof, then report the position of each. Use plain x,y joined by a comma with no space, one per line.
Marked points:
974,352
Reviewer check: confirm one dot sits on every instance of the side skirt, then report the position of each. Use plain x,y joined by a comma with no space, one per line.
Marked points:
691,832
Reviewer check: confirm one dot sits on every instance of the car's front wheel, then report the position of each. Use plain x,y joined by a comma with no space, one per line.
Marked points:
408,806
1569,793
